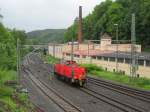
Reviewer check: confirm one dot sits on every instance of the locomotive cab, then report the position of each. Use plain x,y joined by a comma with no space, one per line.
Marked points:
70,70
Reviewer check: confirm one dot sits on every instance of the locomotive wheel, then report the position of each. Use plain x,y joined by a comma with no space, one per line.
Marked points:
63,78
81,83
56,75
72,80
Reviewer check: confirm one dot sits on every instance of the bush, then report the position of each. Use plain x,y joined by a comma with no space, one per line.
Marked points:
7,76
6,93
92,67
51,59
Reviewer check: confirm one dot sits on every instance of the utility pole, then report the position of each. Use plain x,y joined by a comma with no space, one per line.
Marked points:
88,48
116,47
54,49
89,52
133,49
72,48
18,61
72,58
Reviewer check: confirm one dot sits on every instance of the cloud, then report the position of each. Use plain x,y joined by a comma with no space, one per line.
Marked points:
41,14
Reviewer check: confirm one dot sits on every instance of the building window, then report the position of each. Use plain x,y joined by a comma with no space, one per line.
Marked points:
120,60
99,57
83,56
67,54
77,55
148,63
128,61
105,59
141,62
112,59
93,57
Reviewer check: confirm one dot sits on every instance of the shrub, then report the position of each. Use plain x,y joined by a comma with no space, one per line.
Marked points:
7,76
92,67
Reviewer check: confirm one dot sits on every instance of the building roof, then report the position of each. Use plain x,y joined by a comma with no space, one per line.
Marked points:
91,52
142,56
113,54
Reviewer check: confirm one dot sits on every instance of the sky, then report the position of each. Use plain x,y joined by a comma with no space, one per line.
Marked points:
32,15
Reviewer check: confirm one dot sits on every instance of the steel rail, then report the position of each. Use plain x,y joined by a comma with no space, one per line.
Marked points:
142,95
122,106
134,95
66,105
36,107
118,104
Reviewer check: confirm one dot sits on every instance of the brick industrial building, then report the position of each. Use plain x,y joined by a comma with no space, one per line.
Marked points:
105,55
110,56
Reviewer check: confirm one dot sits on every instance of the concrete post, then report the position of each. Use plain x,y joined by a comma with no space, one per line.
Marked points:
124,61
102,58
108,59
144,63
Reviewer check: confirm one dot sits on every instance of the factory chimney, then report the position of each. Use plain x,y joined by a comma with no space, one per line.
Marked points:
80,33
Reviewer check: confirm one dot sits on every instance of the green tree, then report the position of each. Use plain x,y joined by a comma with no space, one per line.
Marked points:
71,32
108,13
8,41
7,49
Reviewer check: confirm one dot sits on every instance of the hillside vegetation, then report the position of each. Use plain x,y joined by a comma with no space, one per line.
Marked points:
108,13
8,42
8,60
46,36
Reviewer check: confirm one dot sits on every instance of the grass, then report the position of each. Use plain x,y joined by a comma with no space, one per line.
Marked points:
147,49
142,83
7,75
92,67
7,103
94,70
50,59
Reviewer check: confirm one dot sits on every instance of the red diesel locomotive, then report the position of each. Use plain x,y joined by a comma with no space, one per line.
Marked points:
71,71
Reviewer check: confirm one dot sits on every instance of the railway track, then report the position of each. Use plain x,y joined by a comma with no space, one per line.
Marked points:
141,95
118,104
58,99
37,108
111,101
